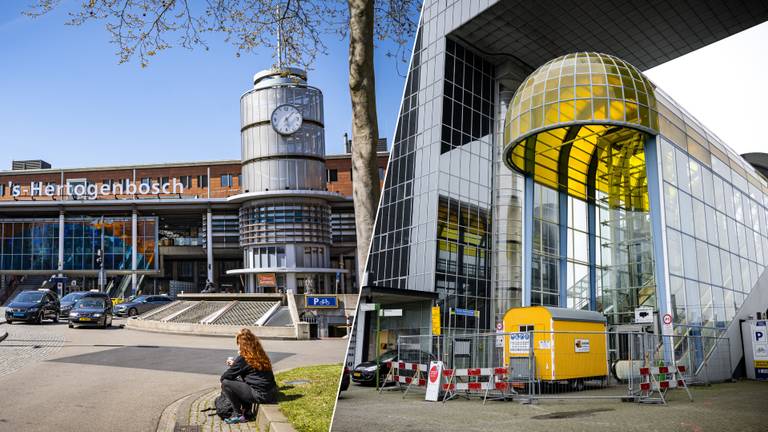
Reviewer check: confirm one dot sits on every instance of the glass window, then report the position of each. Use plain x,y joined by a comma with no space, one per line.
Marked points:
669,169
672,210
692,303
702,259
715,272
686,213
699,219
333,175
683,181
694,170
709,189
719,198
202,181
725,263
677,292
689,258
226,180
674,247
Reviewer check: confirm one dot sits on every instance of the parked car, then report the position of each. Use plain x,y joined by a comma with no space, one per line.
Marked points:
93,309
68,301
344,380
365,372
141,304
33,306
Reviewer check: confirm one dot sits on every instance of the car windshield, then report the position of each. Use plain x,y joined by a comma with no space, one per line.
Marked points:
387,356
72,296
30,296
139,299
90,303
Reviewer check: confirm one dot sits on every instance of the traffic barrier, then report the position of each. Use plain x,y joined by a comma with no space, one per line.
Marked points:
657,380
418,378
476,382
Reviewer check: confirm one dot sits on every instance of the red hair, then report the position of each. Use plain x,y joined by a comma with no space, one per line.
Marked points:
252,351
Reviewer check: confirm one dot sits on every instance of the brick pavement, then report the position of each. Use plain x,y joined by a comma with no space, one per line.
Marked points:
25,345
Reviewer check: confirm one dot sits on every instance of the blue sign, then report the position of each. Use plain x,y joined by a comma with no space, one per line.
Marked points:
322,301
466,312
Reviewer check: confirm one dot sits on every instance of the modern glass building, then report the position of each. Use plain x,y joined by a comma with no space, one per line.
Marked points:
534,163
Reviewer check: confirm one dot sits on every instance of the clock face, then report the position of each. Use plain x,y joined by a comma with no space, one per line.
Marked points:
286,119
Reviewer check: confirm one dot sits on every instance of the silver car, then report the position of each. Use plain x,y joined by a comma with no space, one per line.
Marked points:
141,304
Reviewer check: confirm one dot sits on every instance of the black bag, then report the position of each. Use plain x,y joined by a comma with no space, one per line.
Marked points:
223,406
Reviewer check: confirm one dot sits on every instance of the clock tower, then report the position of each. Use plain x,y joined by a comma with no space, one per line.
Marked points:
285,213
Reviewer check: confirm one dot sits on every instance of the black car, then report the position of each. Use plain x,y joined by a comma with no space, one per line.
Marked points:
94,309
344,380
365,373
68,301
33,306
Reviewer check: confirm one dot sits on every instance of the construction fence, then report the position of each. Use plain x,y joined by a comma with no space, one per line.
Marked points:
566,364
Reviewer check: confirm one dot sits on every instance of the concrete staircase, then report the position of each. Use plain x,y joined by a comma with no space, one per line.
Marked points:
28,283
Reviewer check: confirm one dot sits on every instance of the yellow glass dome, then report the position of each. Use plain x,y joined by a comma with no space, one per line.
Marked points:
578,123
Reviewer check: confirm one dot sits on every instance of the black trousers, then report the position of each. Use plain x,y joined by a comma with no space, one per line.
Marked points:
242,396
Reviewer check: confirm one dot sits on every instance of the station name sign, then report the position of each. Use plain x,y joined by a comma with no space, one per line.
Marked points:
93,190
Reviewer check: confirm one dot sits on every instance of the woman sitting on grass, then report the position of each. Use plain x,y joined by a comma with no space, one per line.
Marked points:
249,378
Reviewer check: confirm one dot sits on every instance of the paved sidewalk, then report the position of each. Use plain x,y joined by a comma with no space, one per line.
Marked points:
739,406
189,411
24,346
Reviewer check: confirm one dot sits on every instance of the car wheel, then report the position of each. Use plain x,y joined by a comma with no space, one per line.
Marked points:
39,319
71,325
9,322
56,318
132,312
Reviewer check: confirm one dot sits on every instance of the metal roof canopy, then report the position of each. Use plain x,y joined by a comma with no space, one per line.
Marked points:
645,34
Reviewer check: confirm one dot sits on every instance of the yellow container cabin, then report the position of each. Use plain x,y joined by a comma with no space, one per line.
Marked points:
567,344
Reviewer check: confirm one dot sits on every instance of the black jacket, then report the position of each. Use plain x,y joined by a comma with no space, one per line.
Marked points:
263,382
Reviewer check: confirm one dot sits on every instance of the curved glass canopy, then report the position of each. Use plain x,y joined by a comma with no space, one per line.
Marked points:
578,124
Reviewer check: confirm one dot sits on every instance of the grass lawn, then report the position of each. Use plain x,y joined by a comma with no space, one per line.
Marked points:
309,406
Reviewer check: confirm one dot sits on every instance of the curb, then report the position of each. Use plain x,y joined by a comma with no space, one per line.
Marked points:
268,418
3,335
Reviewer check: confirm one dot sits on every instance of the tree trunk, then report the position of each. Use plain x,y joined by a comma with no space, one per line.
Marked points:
365,127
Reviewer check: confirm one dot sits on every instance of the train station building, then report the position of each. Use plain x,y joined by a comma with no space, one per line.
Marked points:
280,219
534,163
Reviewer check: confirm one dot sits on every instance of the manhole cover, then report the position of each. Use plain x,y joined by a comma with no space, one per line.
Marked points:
298,382
570,414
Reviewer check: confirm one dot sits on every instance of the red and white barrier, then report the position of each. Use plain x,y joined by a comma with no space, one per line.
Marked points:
477,381
418,378
653,382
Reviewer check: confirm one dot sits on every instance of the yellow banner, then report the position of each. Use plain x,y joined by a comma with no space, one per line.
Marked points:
761,364
436,320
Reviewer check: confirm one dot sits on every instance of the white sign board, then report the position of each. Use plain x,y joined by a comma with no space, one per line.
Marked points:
545,344
666,325
644,315
519,343
368,307
581,345
500,341
434,381
390,312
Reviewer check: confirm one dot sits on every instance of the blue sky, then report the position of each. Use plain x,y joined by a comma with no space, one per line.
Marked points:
64,98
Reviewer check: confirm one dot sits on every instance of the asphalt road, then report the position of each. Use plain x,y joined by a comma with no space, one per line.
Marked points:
53,378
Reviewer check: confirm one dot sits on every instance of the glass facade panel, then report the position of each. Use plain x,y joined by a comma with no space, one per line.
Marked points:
33,244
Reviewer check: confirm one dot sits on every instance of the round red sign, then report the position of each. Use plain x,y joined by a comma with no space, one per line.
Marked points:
433,373
667,319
